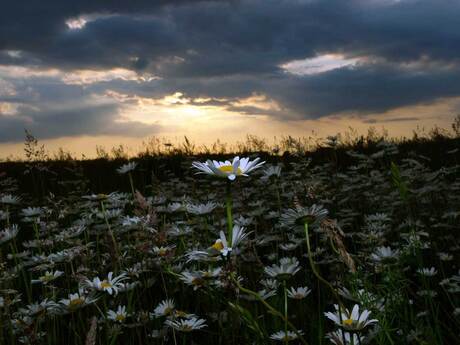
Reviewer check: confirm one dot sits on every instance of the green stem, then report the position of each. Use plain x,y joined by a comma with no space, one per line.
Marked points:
115,246
271,309
7,216
285,313
313,267
229,213
131,183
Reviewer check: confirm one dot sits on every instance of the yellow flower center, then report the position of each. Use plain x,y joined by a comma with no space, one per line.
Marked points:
348,322
218,245
180,313
76,302
197,281
105,284
229,169
120,317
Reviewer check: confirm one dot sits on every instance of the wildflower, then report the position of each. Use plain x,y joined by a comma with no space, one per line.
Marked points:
9,199
351,321
48,277
186,325
445,256
299,293
127,168
300,215
427,272
118,316
40,308
384,253
174,207
178,231
227,169
272,170
264,294
128,286
8,233
32,212
201,209
76,301
194,279
271,284
338,338
164,308
283,336
287,268
288,246
221,244
131,221
163,251
378,217
111,285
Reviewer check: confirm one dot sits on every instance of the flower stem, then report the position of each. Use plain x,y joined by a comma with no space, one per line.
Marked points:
7,216
131,183
114,241
228,202
285,313
313,266
271,309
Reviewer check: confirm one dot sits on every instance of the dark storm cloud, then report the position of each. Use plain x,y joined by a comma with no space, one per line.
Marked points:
395,119
218,38
50,109
362,89
89,120
228,50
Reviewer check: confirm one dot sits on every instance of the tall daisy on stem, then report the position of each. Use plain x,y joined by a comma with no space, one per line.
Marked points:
307,217
127,169
230,171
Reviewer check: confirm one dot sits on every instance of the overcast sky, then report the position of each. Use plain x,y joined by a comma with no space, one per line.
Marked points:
86,72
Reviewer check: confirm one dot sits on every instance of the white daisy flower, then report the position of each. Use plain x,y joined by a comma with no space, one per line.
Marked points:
76,301
283,336
164,308
47,277
186,325
32,212
286,268
338,338
352,321
127,168
222,245
299,293
227,169
384,253
119,315
427,272
8,233
9,199
110,285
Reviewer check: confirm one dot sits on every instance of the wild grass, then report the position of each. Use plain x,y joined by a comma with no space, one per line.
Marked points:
353,242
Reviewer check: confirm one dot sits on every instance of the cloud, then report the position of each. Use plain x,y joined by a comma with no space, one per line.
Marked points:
50,108
310,58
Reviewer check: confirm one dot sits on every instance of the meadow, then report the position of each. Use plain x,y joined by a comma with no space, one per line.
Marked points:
355,241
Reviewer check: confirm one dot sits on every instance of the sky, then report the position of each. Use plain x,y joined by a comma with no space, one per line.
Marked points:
77,74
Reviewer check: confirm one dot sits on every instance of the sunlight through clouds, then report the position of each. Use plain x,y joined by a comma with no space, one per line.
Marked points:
319,64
